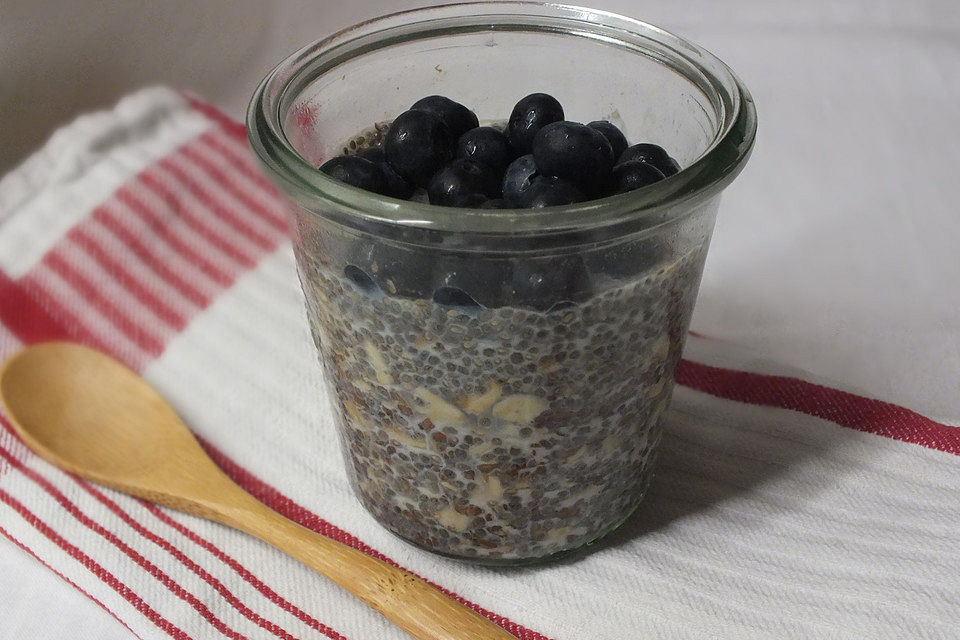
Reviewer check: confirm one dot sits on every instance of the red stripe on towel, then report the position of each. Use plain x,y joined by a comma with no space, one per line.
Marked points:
840,407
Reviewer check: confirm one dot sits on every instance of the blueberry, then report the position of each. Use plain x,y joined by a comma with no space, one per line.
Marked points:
627,259
651,154
373,154
487,146
461,178
468,201
635,174
469,281
618,141
574,152
457,117
395,186
496,203
355,171
454,297
360,278
544,284
417,145
550,191
517,178
396,271
529,116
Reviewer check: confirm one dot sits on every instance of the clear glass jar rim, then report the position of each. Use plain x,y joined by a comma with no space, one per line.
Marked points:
655,204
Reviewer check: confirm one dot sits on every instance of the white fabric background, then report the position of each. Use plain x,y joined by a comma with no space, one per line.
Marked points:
835,252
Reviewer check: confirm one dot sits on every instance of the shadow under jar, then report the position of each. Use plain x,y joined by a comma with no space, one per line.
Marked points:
499,376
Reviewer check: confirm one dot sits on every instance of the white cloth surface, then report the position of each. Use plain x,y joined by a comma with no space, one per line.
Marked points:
38,604
835,252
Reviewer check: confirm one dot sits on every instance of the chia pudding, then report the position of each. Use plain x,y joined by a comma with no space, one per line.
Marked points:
503,432
499,308
497,409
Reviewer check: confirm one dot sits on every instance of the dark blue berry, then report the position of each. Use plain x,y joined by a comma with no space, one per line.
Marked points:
545,284
487,146
373,154
360,278
468,201
355,171
618,141
651,154
457,117
454,297
394,184
417,145
550,191
396,271
467,279
461,178
627,259
529,116
496,203
517,178
635,174
574,152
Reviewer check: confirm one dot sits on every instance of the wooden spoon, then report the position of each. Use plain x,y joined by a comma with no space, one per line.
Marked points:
90,415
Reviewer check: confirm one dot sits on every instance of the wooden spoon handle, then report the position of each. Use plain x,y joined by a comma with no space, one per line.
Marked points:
421,610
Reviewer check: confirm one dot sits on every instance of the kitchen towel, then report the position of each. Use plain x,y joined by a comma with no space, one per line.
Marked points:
782,507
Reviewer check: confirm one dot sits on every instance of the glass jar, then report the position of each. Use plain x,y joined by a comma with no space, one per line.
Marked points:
499,376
